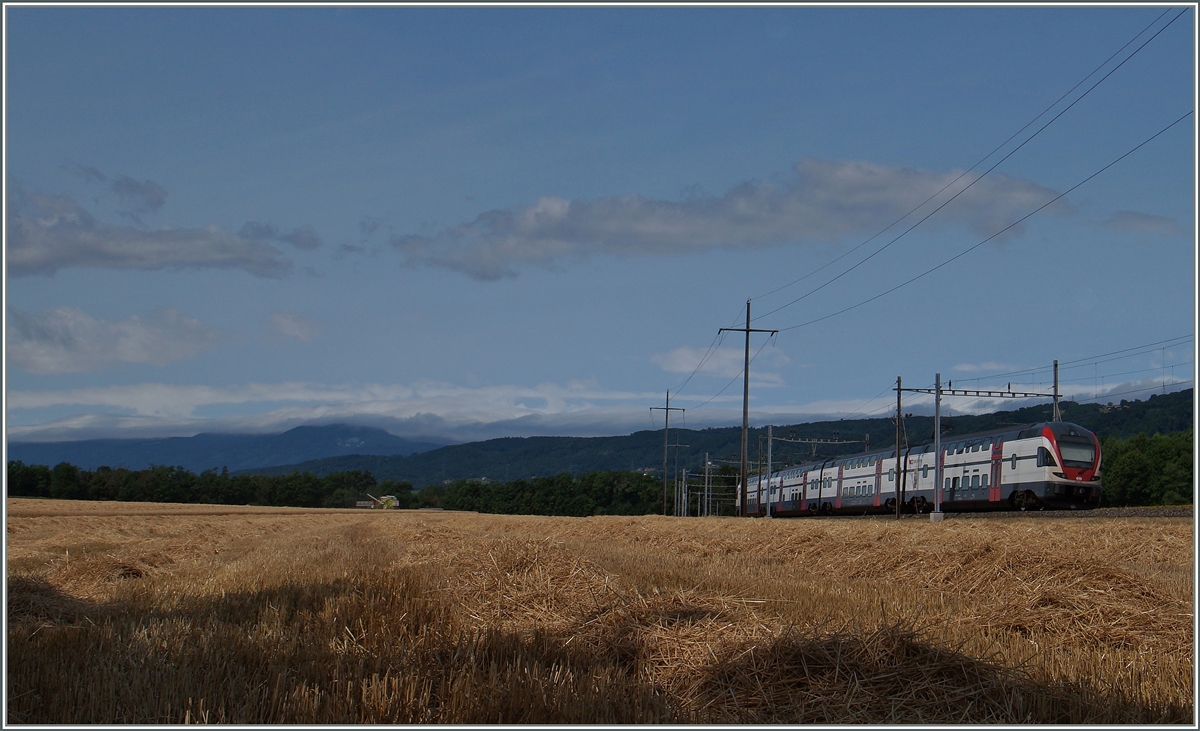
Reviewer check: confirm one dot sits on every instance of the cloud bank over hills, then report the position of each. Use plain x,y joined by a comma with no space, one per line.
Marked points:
439,412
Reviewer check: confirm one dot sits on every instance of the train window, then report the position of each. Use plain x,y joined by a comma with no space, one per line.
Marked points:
924,471
954,485
892,474
983,482
947,487
1045,459
974,482
1014,460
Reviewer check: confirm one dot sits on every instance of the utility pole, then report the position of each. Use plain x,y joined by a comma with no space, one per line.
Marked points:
746,398
667,414
758,505
769,441
707,487
896,483
1057,413
675,471
939,463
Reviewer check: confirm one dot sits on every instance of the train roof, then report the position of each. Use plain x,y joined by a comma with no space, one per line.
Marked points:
1011,432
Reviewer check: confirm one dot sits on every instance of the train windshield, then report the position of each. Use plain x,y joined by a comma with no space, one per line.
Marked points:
1077,454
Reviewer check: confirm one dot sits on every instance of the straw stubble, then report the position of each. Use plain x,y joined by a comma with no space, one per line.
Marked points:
125,614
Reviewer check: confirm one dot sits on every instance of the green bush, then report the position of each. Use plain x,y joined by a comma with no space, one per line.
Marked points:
1148,470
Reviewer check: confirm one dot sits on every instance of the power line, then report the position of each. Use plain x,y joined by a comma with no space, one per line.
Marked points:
1136,390
986,172
1123,373
1089,360
734,379
989,238
864,403
712,347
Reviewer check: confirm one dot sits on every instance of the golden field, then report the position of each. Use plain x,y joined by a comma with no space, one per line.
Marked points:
152,613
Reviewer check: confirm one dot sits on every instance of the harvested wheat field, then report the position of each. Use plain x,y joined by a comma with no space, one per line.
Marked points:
142,613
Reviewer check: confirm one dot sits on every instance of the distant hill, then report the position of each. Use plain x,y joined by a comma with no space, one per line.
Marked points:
215,451
523,457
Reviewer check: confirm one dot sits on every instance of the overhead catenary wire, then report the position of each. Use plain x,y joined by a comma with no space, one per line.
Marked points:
968,250
1136,390
984,174
864,403
1122,373
1089,360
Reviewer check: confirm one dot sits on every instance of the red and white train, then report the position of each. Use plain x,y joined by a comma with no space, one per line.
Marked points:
1047,465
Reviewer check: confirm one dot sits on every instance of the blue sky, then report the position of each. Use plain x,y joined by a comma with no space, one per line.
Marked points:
460,223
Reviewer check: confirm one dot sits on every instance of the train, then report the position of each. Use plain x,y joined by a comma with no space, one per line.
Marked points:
1053,465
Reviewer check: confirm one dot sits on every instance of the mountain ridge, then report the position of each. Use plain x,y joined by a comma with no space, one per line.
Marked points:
207,450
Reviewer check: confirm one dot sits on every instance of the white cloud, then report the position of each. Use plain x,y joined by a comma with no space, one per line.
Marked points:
723,362
451,413
821,201
396,401
45,233
302,238
990,365
284,325
1145,223
67,340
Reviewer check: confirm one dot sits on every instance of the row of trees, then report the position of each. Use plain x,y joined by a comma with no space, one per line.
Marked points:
595,493
1148,470
177,485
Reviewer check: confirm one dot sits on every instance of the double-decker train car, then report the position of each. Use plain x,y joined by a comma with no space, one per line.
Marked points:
1046,465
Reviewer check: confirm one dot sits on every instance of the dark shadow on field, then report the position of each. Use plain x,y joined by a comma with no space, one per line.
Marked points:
890,676
37,601
366,649
382,648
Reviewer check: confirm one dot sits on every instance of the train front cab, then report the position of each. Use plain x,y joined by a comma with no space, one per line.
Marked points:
1056,465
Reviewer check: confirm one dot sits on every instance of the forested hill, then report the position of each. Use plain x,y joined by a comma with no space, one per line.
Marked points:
522,457
214,451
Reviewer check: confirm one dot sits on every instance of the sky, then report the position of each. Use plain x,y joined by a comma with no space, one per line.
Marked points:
459,223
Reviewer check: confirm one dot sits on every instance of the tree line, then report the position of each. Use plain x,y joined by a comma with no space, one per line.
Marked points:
593,493
177,485
1141,470
1148,470
597,493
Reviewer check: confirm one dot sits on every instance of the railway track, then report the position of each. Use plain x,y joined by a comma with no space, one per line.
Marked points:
1158,512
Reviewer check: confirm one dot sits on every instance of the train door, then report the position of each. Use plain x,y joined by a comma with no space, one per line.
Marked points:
994,476
837,496
878,485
